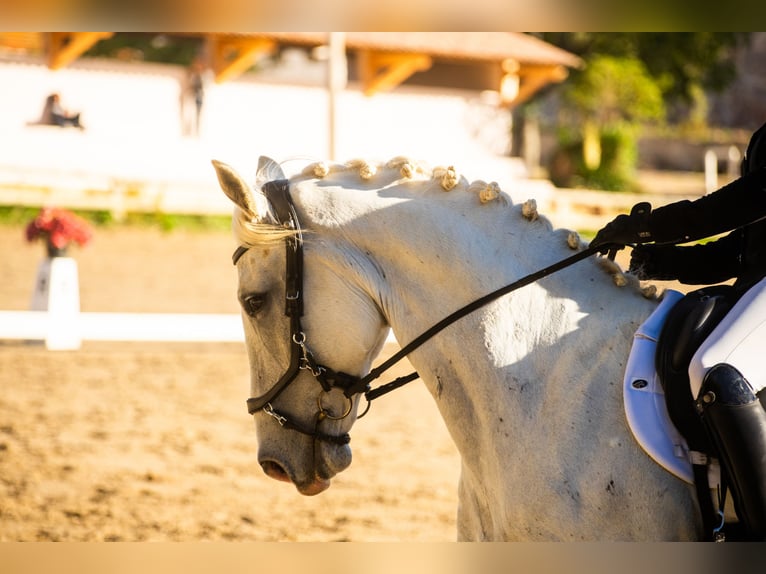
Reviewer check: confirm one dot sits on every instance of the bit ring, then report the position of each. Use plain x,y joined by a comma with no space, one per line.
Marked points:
327,414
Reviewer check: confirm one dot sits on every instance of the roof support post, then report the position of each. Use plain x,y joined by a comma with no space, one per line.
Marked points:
231,56
383,71
66,47
531,79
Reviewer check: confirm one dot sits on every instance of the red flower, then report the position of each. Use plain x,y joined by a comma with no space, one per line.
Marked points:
59,227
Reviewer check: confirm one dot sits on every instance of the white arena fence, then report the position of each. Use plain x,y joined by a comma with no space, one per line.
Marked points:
57,320
55,317
66,331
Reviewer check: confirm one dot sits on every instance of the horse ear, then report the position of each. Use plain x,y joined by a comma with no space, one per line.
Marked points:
268,170
254,204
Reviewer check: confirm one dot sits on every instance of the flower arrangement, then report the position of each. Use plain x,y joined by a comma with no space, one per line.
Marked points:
59,228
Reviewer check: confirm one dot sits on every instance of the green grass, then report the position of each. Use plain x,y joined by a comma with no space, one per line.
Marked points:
20,216
171,222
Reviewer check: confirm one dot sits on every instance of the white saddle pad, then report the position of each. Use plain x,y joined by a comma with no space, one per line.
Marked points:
645,399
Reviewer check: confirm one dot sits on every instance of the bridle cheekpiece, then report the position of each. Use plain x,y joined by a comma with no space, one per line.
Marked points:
301,357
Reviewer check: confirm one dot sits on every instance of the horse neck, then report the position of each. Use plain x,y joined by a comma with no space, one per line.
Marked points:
429,253
439,253
523,359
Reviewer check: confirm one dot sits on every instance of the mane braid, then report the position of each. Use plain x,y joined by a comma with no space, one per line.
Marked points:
619,277
444,179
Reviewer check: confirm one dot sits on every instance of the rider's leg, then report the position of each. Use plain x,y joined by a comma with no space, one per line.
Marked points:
727,372
736,422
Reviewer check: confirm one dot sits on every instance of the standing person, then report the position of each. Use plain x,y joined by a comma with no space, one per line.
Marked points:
726,373
194,92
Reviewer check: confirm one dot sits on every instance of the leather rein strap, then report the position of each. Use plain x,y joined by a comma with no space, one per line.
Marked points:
459,314
301,358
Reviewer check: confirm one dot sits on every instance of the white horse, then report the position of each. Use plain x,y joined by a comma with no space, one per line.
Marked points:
529,386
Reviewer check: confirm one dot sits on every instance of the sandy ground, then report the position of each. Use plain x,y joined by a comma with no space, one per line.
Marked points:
152,442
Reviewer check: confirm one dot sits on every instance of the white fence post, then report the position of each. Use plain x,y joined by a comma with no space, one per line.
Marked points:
711,171
57,291
733,159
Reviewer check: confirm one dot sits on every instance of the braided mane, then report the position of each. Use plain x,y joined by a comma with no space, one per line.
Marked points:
446,179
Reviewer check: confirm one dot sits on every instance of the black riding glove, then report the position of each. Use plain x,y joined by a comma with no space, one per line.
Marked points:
655,262
626,229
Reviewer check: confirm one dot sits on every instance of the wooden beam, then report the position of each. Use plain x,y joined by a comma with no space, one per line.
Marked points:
383,71
554,72
231,56
22,40
533,78
65,47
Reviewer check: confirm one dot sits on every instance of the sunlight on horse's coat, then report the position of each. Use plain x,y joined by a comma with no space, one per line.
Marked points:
529,386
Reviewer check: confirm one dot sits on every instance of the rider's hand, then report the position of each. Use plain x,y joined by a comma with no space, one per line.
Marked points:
626,229
654,262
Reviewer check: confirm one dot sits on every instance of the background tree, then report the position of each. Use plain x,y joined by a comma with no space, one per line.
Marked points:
631,80
149,47
679,62
602,110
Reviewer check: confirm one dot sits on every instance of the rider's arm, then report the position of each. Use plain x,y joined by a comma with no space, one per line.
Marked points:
739,203
703,264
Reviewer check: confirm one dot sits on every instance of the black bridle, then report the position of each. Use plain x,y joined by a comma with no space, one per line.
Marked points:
301,358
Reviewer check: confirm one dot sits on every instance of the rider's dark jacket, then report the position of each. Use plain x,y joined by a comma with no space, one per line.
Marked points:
739,206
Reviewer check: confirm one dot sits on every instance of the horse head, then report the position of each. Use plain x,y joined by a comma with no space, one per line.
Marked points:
311,328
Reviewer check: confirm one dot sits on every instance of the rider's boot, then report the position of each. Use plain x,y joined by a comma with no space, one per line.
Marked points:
736,422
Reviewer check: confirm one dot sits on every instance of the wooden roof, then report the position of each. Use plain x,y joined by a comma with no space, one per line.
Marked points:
482,46
522,63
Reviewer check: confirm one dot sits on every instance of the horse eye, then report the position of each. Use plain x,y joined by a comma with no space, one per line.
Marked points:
252,304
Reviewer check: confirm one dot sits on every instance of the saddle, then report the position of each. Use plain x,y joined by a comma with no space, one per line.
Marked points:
659,405
687,325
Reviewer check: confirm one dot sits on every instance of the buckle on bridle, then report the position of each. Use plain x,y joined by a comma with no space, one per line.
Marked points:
269,410
307,362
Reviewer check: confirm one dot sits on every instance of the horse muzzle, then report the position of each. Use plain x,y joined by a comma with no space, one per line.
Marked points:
274,470
324,462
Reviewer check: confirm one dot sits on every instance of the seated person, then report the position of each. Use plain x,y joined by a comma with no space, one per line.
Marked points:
54,114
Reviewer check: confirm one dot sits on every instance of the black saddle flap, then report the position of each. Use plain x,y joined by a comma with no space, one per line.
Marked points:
688,324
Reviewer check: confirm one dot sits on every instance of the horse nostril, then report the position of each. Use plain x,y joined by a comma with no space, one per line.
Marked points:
275,471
